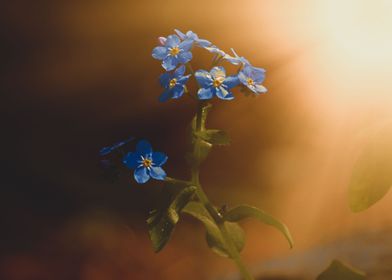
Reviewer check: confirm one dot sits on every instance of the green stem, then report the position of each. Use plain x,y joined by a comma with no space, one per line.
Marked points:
229,244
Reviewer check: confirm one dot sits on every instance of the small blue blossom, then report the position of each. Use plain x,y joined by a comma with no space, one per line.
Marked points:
252,77
173,52
216,50
146,163
174,84
190,35
236,59
107,150
216,83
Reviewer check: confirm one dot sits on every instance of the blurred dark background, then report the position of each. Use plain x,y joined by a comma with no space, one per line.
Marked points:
78,75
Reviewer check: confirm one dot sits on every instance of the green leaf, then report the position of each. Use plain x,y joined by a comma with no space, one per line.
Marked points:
161,223
245,211
214,136
340,271
204,115
372,175
200,152
213,235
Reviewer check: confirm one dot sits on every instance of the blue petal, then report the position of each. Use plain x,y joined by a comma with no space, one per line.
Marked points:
260,89
164,79
158,158
105,151
215,49
243,78
157,173
141,176
192,35
204,78
218,72
162,40
180,34
132,160
179,71
166,95
205,93
258,75
248,71
183,79
169,63
186,45
231,81
223,93
172,41
203,43
144,147
177,91
184,57
159,53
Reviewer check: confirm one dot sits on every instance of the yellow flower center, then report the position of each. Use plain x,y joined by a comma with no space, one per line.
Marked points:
147,162
218,81
250,81
174,51
172,82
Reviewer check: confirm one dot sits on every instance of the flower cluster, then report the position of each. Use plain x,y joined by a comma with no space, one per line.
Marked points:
175,51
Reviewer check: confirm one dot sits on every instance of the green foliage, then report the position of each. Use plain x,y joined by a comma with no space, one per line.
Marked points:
161,222
213,136
245,211
340,271
213,234
372,174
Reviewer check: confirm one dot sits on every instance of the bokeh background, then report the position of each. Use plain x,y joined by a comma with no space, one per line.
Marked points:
78,75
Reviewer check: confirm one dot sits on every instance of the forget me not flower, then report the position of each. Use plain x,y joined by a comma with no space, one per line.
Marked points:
194,37
236,59
215,83
146,163
173,52
174,84
252,77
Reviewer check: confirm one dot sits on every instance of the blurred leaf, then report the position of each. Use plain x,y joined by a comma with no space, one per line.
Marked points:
161,223
213,234
340,271
200,152
245,211
372,174
214,136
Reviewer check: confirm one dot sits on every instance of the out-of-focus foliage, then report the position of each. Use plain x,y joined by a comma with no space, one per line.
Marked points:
340,271
372,175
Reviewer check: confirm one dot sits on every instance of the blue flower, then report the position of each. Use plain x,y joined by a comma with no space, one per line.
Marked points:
236,59
173,52
146,163
174,84
252,77
216,50
107,150
216,83
190,35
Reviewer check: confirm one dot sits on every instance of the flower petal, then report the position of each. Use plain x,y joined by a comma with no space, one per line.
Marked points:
186,45
205,93
231,81
158,158
180,34
177,91
172,41
162,40
204,78
164,79
157,173
141,176
169,63
179,71
218,72
203,43
223,93
144,147
261,89
184,57
159,53
258,75
183,79
166,95
243,78
131,160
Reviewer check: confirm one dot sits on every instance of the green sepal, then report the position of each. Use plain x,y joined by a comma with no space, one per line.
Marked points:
213,235
161,223
372,174
245,211
340,271
214,136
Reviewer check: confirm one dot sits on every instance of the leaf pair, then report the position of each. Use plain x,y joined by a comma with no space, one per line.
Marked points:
161,223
